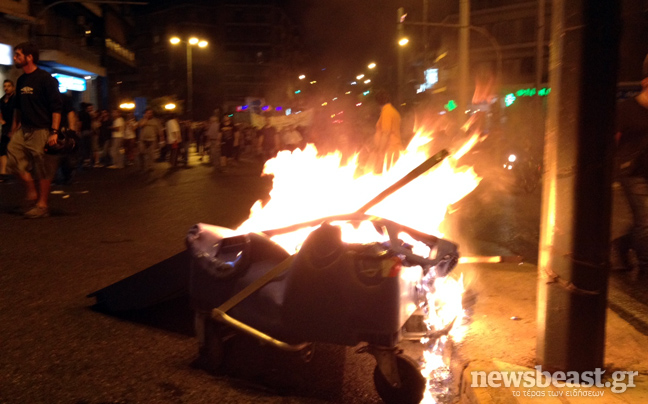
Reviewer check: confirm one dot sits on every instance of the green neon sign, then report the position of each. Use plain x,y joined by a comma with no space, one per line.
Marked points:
544,91
510,98
450,105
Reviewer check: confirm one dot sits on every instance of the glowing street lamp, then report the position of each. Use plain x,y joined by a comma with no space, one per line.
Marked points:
367,81
170,106
359,76
371,65
127,106
403,41
193,41
302,77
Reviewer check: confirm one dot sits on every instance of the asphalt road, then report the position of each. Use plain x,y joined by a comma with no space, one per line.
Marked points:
55,347
106,226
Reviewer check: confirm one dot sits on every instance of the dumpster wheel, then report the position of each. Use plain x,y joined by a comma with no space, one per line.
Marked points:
212,351
412,385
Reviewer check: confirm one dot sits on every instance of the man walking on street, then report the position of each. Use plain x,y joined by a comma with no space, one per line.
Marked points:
173,139
632,168
150,133
117,139
36,123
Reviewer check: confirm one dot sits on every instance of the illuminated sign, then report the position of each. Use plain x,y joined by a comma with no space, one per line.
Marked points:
510,98
6,55
69,82
431,78
451,105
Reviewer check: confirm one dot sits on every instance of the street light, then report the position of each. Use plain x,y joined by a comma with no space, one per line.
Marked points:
403,41
193,41
371,65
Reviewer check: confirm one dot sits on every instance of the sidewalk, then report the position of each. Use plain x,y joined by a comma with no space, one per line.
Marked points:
501,336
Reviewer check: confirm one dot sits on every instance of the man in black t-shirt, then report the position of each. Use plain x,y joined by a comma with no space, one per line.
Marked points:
36,123
632,165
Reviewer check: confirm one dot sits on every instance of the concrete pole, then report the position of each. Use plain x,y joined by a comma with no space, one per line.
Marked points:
539,113
463,96
540,35
189,82
576,201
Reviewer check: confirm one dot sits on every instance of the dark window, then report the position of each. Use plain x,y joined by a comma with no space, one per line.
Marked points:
527,66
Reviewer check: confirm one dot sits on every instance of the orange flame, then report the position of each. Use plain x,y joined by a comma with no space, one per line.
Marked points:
308,187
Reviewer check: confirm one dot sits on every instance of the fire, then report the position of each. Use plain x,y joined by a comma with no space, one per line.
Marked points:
307,187
443,311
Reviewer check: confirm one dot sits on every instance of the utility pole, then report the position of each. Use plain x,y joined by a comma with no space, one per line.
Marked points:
401,61
189,82
464,58
576,201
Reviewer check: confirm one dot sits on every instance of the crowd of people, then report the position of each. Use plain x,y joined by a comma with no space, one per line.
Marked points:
116,139
45,138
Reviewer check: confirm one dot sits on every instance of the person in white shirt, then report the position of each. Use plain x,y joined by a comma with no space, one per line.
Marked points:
174,137
117,140
291,138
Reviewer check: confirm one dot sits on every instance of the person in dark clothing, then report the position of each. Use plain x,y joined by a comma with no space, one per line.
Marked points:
85,134
185,141
37,117
105,137
227,140
632,165
268,138
6,118
69,126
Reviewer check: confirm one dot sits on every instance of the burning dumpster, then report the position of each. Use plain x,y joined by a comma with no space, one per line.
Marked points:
325,277
332,290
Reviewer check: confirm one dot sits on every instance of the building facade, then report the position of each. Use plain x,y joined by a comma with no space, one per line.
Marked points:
252,47
84,45
514,27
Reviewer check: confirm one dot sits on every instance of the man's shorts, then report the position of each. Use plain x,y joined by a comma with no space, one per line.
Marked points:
26,153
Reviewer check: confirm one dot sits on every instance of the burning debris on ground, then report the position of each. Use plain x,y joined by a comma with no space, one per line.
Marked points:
327,250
